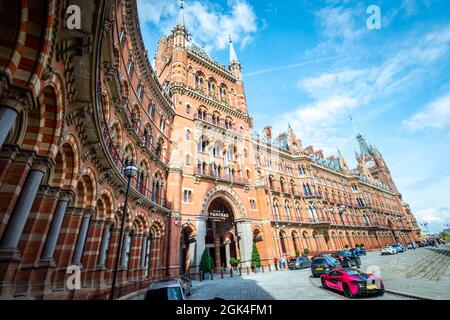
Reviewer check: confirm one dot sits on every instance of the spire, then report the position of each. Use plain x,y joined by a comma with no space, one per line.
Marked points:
354,126
363,145
233,57
180,19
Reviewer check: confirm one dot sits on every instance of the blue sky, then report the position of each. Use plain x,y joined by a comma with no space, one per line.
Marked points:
314,63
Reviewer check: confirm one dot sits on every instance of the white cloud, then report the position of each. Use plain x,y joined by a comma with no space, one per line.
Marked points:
337,93
209,24
436,115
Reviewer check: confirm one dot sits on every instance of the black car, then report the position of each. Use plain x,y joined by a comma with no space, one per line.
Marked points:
348,259
299,263
322,266
321,255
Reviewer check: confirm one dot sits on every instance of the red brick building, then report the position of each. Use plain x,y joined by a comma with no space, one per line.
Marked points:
77,106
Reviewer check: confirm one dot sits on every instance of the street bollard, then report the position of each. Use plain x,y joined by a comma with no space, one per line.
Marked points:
248,270
221,273
262,268
212,275
201,276
270,268
231,272
240,271
189,275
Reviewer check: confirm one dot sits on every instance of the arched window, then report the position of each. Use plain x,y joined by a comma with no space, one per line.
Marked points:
188,160
276,210
297,210
188,135
198,81
288,210
188,109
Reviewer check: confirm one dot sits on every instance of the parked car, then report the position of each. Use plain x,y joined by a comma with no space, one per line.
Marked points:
411,246
348,259
165,290
323,265
299,263
321,255
399,247
352,282
420,244
358,251
186,285
388,250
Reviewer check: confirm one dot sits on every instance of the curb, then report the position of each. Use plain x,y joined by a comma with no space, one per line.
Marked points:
408,295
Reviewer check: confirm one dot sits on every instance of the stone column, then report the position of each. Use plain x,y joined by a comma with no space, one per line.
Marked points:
200,241
104,245
217,259
246,241
190,256
7,118
143,252
19,216
227,253
81,239
125,244
53,233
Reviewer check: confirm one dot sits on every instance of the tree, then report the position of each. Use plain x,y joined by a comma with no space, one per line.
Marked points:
206,263
306,251
256,259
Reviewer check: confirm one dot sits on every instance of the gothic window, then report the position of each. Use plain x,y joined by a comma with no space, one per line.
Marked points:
188,109
188,160
130,68
187,196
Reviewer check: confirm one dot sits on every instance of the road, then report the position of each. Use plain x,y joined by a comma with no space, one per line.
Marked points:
423,272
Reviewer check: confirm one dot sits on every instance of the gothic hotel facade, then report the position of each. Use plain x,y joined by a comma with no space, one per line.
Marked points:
77,106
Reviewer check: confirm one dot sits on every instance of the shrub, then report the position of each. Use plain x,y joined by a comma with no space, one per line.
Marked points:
206,263
297,253
234,262
256,259
306,251
346,246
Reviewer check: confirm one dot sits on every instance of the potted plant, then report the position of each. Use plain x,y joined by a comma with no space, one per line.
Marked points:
234,262
256,259
297,253
306,251
206,264
346,246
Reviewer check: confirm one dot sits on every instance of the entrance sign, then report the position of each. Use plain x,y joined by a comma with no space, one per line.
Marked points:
218,215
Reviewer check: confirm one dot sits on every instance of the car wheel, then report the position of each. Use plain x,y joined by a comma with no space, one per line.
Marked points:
324,283
382,291
348,293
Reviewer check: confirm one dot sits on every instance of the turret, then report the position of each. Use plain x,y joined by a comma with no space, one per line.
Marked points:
179,32
235,65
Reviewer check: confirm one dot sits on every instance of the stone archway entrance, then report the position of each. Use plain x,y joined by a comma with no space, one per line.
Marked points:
220,233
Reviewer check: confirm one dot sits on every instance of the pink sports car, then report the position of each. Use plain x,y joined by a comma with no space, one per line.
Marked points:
352,282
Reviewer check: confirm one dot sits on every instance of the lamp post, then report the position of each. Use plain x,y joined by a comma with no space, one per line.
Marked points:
130,171
425,224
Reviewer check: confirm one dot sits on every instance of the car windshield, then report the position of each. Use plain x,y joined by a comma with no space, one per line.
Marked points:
163,294
320,261
293,260
353,272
